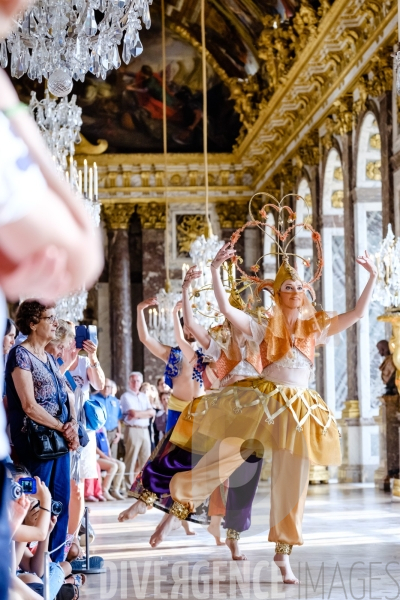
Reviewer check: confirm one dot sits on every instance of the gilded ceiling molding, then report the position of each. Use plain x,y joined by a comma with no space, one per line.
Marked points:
152,215
318,81
232,215
117,215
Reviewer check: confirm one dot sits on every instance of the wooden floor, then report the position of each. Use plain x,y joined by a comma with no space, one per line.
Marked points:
351,550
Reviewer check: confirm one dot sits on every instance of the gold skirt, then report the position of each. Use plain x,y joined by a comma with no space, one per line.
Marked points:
265,415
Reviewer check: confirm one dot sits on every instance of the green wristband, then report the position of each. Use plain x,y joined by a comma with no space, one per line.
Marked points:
14,110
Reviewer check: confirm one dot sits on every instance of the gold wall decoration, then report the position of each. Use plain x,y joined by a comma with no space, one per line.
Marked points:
85,147
117,215
373,170
308,200
337,199
338,173
375,141
232,215
188,228
152,215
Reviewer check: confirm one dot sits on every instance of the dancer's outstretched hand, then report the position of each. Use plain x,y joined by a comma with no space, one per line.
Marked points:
148,302
368,263
192,274
225,253
178,306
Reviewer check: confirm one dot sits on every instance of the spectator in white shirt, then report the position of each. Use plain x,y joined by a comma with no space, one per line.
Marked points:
136,412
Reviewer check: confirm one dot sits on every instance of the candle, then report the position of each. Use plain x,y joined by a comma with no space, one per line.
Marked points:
85,180
151,318
80,181
90,183
67,176
183,271
225,277
155,318
96,180
162,318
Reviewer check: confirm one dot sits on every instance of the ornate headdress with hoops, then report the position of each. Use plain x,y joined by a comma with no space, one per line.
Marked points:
282,236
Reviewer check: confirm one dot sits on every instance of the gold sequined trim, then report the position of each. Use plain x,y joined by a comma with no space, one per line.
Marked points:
283,548
232,534
148,498
179,510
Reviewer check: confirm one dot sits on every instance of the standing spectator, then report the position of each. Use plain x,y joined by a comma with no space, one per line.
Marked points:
86,371
160,420
36,390
162,386
114,414
136,412
152,394
9,336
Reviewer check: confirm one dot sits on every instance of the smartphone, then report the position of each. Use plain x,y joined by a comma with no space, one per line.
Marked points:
84,333
28,485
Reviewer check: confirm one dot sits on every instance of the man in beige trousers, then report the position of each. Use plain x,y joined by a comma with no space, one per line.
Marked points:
136,412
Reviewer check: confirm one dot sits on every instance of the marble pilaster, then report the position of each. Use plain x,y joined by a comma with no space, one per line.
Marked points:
120,307
386,133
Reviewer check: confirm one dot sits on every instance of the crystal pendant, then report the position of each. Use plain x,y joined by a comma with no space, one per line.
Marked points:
146,16
126,55
60,83
3,55
90,26
137,47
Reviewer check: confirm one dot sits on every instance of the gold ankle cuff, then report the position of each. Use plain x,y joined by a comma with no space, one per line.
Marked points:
148,498
179,510
232,534
283,548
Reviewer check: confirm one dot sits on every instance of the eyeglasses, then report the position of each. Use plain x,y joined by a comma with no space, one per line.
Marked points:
51,319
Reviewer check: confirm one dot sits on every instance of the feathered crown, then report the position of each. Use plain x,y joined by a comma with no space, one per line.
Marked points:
282,236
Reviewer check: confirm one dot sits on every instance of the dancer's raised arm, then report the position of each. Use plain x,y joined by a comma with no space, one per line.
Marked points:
238,319
347,319
155,347
197,330
184,345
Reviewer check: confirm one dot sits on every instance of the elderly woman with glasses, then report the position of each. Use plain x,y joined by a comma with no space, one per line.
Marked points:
36,390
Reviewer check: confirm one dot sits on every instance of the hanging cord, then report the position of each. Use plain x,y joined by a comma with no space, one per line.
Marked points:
165,147
208,229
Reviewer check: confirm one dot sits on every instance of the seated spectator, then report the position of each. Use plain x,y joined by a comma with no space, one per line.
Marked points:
36,390
114,414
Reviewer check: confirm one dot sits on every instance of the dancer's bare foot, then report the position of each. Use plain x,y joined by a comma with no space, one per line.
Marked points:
282,561
138,508
235,551
215,529
186,526
163,530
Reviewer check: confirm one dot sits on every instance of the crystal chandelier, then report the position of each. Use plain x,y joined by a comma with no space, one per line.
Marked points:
161,324
62,40
387,289
202,251
60,123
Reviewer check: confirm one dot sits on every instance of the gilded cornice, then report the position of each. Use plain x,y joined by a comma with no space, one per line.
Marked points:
343,45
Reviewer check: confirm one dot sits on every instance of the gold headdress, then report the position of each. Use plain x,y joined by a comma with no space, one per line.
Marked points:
282,238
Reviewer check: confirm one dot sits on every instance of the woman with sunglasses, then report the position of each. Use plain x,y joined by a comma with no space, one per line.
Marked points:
36,390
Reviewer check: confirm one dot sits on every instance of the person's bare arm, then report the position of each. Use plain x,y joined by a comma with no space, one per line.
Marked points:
141,414
197,330
185,347
39,531
238,319
155,347
95,374
347,319
23,590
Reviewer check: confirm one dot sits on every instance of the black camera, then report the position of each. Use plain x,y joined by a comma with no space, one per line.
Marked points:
56,507
16,490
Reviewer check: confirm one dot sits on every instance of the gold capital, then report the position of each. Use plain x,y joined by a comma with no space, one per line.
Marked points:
117,215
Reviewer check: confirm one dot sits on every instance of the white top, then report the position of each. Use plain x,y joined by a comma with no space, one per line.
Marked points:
22,188
281,370
132,401
80,376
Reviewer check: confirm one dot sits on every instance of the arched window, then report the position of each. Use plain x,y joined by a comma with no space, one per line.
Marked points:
333,280
304,244
368,232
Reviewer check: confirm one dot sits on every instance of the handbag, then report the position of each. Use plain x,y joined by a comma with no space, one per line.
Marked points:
46,443
95,413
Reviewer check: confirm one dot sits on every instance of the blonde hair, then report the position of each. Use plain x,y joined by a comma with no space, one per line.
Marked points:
65,332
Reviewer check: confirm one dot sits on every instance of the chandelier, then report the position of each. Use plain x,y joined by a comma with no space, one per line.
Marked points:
60,123
387,289
62,40
161,320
